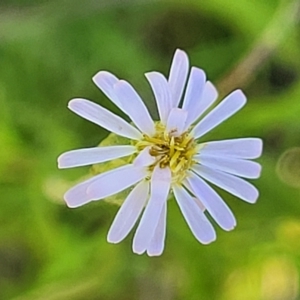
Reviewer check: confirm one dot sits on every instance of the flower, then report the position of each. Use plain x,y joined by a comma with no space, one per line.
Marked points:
165,156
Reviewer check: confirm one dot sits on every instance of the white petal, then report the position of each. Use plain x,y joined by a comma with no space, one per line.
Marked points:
235,166
160,186
157,243
144,158
240,148
77,195
176,121
178,75
103,117
232,184
90,156
212,201
115,181
199,203
194,92
162,94
129,212
195,218
229,106
105,81
134,107
208,97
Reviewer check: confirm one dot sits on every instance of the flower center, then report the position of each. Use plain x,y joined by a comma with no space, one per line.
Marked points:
175,152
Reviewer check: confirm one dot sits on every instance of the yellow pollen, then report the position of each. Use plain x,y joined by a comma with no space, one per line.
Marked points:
175,152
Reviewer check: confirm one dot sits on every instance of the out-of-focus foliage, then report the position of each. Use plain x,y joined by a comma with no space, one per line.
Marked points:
49,50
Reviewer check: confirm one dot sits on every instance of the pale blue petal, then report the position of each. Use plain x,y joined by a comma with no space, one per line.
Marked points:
212,201
229,106
162,94
246,148
129,212
160,186
194,216
134,107
90,156
235,166
115,181
103,117
232,184
178,75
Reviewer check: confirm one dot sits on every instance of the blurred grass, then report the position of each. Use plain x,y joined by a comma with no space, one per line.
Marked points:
49,50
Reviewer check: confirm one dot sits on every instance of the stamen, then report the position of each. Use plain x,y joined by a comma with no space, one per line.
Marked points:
175,152
174,158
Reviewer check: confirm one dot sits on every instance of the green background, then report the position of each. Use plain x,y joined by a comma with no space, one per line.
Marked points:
49,51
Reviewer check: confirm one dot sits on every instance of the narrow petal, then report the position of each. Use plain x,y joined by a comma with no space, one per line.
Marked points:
208,97
194,216
157,243
105,81
229,106
134,107
103,117
194,91
144,158
77,195
90,156
160,186
212,201
176,121
129,212
178,75
115,181
235,166
162,94
198,202
232,184
246,148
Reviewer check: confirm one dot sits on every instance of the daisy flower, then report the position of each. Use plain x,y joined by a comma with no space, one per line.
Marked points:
165,157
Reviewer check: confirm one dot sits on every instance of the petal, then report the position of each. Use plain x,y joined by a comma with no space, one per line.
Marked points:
162,94
103,117
208,97
178,75
77,195
157,243
134,107
90,156
235,166
129,212
144,158
105,81
199,203
232,184
195,218
194,91
229,106
240,148
160,186
176,121
115,181
212,201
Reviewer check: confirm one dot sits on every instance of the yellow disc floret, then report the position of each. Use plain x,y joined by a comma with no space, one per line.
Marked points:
170,150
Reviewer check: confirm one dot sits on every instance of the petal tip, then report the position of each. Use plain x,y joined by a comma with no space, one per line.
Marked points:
111,240
138,251
70,203
241,95
209,241
73,103
154,254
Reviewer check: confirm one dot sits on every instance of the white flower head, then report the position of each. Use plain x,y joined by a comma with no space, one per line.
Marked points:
165,156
